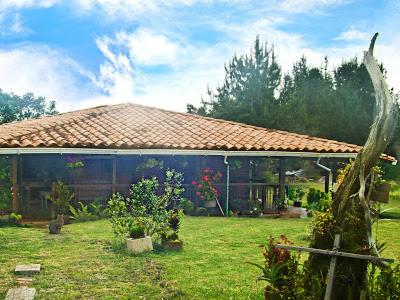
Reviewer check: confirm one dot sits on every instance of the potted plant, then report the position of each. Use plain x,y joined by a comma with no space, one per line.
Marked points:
205,187
280,269
170,239
137,241
61,199
296,195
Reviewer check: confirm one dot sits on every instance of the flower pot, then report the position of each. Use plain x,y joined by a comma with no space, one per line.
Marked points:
297,203
139,245
176,245
381,193
210,204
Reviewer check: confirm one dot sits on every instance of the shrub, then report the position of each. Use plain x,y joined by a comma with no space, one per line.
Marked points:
280,268
62,198
205,184
295,193
144,208
317,200
187,206
82,213
384,283
136,232
15,218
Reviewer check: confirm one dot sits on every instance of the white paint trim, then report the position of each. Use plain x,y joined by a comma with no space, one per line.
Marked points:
7,151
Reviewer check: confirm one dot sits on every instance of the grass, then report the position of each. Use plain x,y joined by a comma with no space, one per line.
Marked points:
392,209
84,262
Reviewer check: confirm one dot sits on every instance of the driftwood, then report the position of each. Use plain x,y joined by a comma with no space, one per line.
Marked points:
352,200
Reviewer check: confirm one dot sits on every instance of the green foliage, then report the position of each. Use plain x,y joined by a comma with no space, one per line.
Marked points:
335,104
150,163
281,267
384,283
317,200
187,206
254,208
17,108
15,218
295,193
201,211
173,188
205,184
82,213
145,208
62,198
5,185
136,232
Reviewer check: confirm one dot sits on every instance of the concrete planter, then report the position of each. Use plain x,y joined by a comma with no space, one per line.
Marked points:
139,245
210,204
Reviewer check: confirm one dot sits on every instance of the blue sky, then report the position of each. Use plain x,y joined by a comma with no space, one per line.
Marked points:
84,53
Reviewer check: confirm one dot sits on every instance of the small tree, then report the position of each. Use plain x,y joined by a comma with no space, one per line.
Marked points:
62,198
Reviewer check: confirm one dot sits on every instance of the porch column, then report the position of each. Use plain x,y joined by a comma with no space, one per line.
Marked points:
282,170
114,174
14,182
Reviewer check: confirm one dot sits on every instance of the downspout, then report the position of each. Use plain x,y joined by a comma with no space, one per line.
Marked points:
227,186
325,168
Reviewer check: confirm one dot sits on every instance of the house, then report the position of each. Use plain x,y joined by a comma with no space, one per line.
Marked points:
102,150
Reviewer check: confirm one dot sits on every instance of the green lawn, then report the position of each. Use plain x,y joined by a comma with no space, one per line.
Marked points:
83,263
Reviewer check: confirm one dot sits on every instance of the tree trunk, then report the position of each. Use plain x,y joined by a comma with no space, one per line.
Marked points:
351,208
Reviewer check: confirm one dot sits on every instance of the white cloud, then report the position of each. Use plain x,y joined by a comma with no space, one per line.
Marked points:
45,72
18,4
300,6
353,34
18,27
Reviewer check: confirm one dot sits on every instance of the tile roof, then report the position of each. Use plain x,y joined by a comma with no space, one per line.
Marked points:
131,126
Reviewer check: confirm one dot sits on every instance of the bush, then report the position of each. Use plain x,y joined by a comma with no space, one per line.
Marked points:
280,269
317,200
201,211
62,198
384,283
144,208
187,206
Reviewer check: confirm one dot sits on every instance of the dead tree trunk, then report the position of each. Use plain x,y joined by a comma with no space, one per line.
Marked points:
351,208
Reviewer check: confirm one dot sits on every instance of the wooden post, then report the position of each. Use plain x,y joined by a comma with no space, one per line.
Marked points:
114,174
332,267
282,171
14,182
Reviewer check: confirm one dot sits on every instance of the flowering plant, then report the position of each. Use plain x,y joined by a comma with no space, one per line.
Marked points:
205,184
74,163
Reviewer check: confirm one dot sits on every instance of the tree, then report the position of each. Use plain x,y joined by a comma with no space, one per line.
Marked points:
351,208
248,92
337,104
17,108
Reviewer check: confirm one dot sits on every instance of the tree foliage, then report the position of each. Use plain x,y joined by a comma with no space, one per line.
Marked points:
335,104
17,108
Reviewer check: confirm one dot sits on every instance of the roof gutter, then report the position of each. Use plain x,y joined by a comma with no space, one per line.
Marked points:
18,151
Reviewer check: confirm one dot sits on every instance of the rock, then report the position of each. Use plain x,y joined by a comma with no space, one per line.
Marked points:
21,293
27,269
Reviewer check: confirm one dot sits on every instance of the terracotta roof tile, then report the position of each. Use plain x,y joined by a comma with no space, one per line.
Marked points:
133,126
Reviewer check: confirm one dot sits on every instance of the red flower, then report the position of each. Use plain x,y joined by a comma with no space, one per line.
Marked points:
205,178
200,186
198,193
194,182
